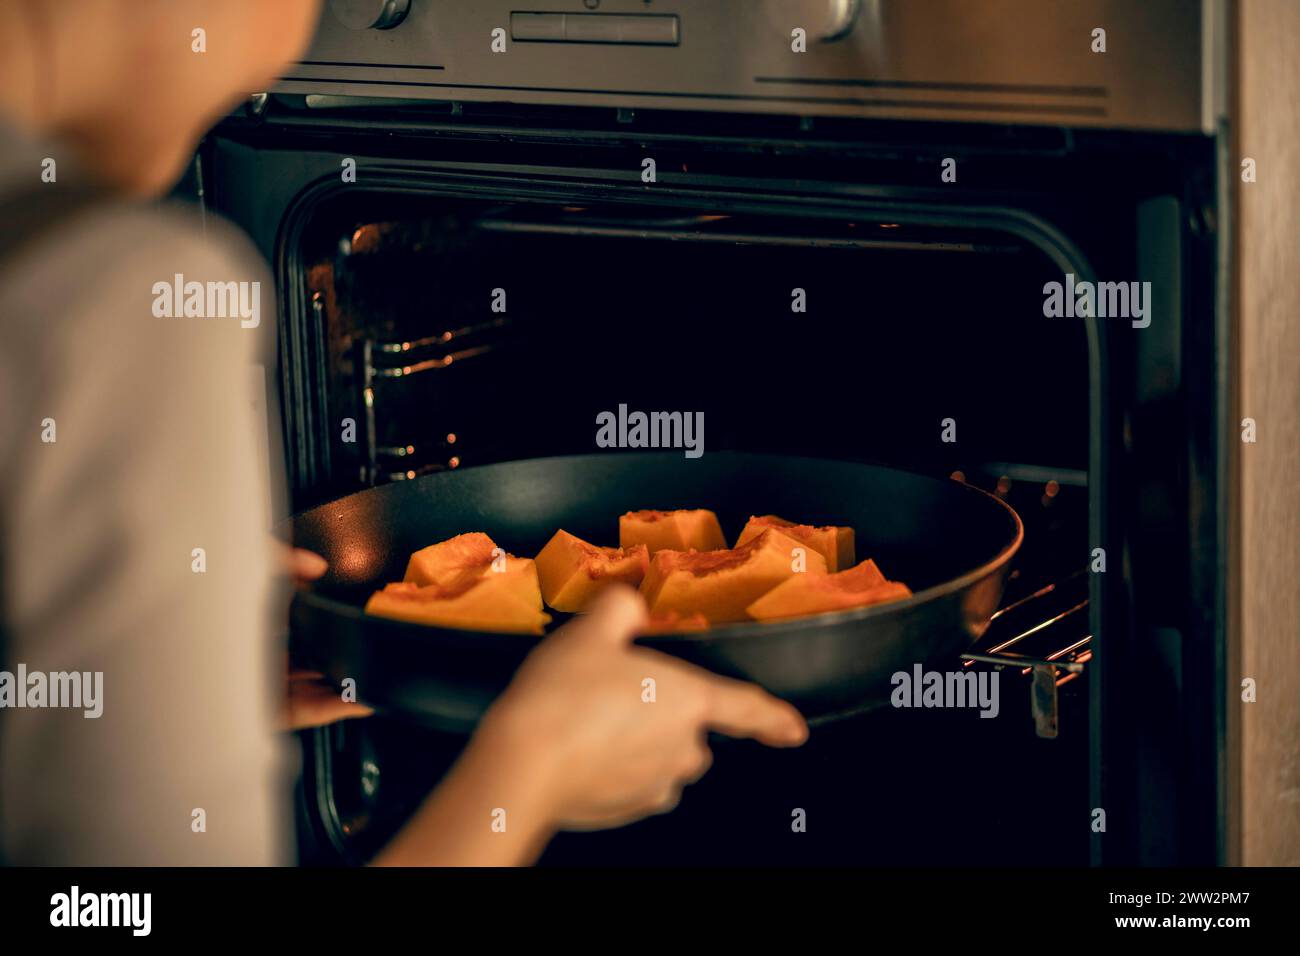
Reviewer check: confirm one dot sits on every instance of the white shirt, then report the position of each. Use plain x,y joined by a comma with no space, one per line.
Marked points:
157,453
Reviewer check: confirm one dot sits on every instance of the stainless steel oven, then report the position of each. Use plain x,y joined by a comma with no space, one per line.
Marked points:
649,186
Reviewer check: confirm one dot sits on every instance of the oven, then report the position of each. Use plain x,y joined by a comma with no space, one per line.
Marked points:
832,229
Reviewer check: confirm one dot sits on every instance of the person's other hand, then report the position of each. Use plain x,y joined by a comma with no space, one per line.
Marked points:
311,700
615,731
301,565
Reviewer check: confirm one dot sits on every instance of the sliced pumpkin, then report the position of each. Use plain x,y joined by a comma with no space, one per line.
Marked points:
832,542
721,584
673,622
804,594
671,530
442,562
473,555
520,574
478,602
572,571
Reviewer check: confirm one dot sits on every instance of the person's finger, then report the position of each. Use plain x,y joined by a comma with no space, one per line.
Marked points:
320,711
303,565
667,801
636,807
616,614
318,704
701,761
738,709
606,821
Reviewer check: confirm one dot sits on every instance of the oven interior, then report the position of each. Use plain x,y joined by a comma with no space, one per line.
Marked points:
460,333
690,308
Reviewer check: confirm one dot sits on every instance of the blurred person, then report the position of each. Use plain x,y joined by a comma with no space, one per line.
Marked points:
135,494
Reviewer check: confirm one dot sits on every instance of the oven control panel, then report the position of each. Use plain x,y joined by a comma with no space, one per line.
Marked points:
1111,63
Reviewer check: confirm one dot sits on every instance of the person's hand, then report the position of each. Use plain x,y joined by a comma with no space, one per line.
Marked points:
615,731
311,700
592,732
301,565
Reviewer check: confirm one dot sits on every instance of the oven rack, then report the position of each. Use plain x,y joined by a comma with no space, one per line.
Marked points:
393,360
1045,628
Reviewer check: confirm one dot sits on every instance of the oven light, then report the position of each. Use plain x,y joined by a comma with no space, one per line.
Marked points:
365,238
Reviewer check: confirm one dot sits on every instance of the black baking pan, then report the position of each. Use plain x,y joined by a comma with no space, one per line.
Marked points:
949,542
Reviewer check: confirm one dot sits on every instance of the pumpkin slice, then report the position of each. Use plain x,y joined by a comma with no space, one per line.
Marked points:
520,574
477,602
474,555
572,571
672,622
671,530
722,584
804,594
445,561
832,542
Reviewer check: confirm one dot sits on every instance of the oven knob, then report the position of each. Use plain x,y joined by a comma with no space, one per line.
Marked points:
824,20
370,14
